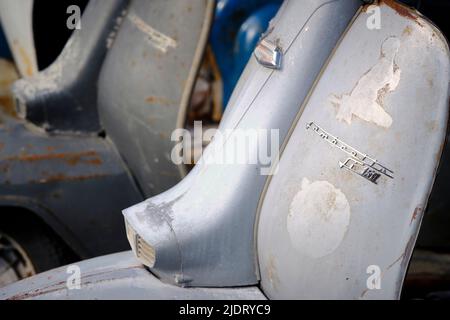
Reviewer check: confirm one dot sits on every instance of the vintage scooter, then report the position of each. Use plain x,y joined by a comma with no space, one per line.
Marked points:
90,135
358,96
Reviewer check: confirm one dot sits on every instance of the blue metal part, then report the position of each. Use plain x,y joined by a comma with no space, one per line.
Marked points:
237,28
5,52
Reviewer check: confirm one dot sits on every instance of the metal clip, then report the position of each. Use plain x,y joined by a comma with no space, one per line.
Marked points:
268,54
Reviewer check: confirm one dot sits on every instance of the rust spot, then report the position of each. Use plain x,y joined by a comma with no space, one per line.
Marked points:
62,177
404,257
24,57
72,159
407,31
417,212
8,75
159,101
7,106
401,9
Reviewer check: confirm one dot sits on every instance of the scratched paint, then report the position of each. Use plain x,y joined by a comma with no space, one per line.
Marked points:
318,219
157,39
366,100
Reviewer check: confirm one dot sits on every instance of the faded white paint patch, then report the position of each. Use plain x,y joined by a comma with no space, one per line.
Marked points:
318,218
366,100
159,40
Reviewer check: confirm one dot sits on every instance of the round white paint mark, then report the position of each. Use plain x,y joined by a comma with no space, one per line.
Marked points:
318,218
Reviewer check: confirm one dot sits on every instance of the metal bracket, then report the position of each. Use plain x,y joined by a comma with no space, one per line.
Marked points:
268,54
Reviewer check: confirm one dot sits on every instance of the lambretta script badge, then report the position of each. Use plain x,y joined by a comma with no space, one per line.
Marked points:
358,162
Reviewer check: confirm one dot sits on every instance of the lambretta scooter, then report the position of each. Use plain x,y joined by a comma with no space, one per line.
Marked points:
359,95
63,181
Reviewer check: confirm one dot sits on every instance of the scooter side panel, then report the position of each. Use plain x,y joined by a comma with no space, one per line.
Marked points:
146,83
330,225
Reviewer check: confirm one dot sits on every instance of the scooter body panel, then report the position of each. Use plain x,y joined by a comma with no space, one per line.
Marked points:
202,230
16,18
158,49
63,97
115,277
334,224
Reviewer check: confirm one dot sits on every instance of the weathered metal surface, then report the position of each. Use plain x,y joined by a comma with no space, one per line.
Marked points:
158,51
73,179
118,276
64,96
76,184
16,18
323,223
8,75
202,229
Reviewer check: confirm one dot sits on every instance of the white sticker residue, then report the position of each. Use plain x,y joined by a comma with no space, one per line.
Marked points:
318,219
159,40
366,100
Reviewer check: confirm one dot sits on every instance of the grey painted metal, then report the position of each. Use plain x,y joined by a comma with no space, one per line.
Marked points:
17,21
158,51
64,96
75,184
202,229
118,276
384,92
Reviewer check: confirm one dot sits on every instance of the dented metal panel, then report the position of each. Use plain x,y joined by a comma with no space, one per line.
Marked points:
357,169
202,229
146,83
114,277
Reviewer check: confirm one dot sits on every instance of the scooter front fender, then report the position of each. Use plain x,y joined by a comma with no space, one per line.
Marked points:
115,277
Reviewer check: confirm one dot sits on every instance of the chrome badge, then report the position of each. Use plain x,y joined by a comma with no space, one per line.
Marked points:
268,54
358,162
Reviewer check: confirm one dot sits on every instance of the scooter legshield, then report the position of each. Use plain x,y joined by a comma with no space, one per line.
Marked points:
340,218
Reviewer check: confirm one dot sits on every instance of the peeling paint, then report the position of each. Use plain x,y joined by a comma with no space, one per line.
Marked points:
318,219
158,40
366,100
